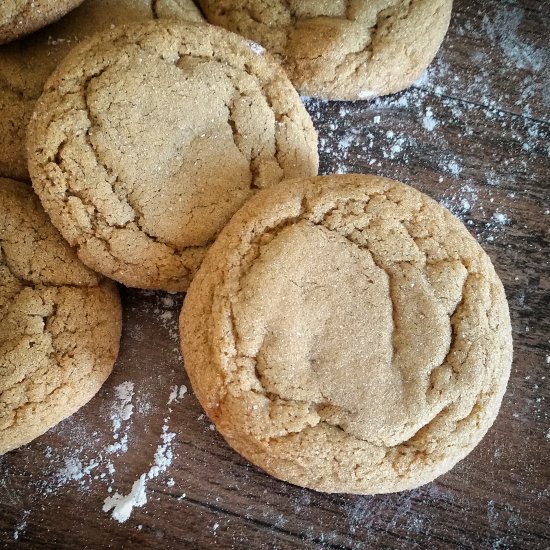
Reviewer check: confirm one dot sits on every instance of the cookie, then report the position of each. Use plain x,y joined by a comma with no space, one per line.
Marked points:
26,64
21,17
60,322
347,334
149,137
341,50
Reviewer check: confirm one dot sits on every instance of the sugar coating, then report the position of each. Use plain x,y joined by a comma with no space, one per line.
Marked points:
148,138
347,334
60,322
341,49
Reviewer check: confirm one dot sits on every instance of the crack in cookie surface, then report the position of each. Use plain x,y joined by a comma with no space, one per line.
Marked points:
26,64
343,49
298,378
59,322
172,195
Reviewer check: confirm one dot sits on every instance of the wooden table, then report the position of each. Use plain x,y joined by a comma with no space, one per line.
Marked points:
474,134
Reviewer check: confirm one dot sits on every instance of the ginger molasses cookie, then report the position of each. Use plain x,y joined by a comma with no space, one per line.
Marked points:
26,64
149,137
60,322
342,50
347,334
21,17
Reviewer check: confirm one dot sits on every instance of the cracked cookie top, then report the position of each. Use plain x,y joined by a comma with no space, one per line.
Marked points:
21,17
347,334
148,138
26,64
336,49
60,322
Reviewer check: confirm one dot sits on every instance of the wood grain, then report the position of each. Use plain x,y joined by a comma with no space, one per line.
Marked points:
474,134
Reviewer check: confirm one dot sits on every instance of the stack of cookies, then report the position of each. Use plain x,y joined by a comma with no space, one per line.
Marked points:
344,333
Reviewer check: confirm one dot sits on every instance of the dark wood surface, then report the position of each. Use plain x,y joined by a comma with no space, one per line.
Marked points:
473,133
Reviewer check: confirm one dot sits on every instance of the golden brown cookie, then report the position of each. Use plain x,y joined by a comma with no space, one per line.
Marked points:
333,49
60,322
21,17
347,334
149,137
26,64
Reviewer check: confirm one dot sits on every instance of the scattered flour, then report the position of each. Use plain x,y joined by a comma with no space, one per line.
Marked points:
75,470
502,28
121,412
500,218
121,506
22,525
461,202
163,455
89,458
123,409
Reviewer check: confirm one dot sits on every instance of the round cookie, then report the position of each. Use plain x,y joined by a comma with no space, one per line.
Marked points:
148,138
60,323
347,334
21,17
26,64
341,50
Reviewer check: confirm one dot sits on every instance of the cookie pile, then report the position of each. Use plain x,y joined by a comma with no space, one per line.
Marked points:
344,333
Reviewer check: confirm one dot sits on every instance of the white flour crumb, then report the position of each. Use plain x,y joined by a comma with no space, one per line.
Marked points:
429,122
454,168
500,218
256,48
548,359
166,316
376,119
75,470
168,301
345,142
173,395
171,482
176,393
120,446
122,505
365,94
163,454
124,409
